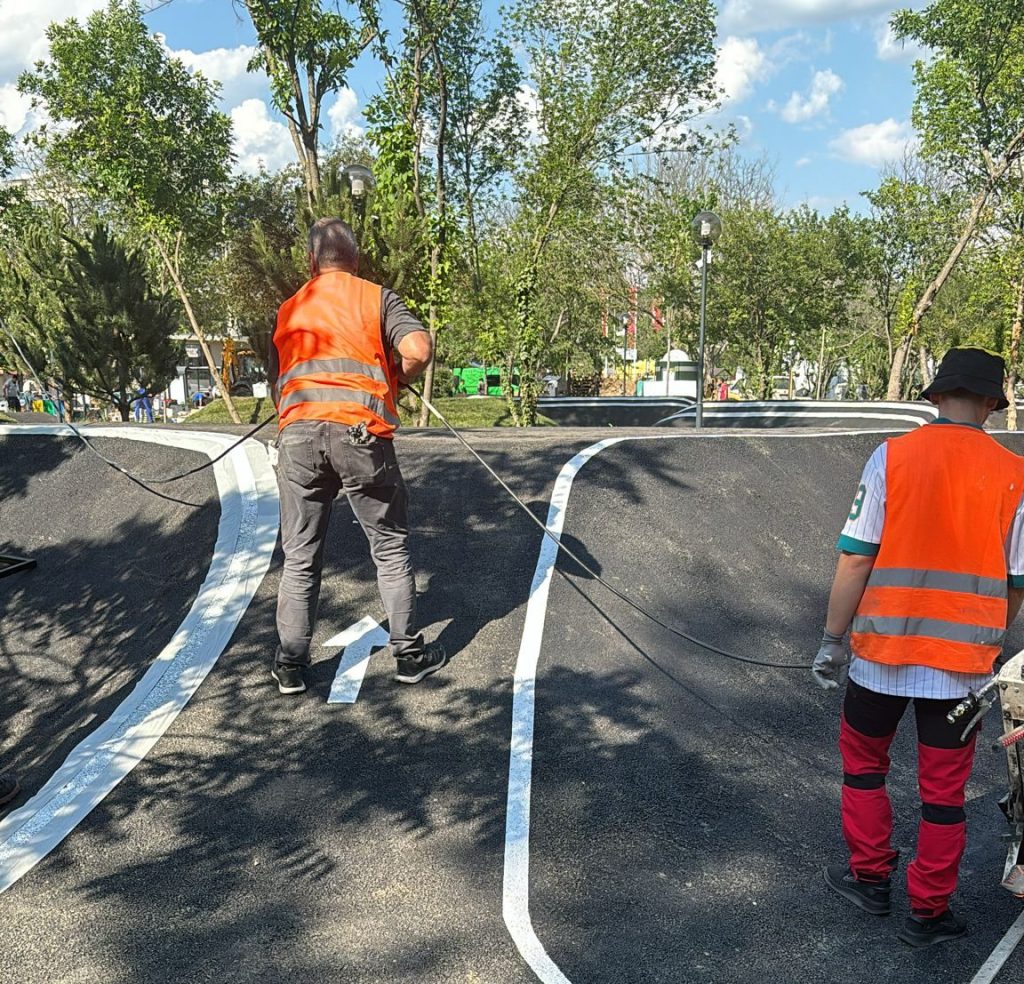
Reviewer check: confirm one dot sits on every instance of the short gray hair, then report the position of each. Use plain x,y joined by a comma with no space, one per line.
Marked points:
334,244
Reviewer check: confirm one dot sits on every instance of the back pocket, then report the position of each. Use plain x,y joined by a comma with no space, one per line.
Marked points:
361,465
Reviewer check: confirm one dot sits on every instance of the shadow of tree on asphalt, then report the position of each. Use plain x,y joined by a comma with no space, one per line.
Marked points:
20,468
117,572
707,821
269,839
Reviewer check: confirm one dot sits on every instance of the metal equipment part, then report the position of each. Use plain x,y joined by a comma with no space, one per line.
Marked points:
1010,683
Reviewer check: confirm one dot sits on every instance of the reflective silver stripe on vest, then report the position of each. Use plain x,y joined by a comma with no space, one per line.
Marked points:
338,394
316,367
910,577
933,628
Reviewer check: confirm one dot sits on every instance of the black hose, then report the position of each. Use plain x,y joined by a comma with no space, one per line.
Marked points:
144,483
597,577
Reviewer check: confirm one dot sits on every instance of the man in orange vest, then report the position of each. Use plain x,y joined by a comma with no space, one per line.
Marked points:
341,348
930,574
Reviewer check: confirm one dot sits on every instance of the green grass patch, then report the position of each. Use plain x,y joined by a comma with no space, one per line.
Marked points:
250,409
4,419
462,412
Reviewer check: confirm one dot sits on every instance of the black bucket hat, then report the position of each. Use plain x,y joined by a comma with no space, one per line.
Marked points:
972,369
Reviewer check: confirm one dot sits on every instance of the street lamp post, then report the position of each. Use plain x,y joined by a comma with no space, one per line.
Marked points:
707,227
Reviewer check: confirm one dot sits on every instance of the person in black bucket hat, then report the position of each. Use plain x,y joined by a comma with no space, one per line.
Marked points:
973,370
930,574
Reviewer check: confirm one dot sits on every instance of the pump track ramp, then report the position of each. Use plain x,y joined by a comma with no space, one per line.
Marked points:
631,809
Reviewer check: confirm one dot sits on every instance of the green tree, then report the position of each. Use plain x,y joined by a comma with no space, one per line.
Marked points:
914,215
141,132
89,306
307,52
609,79
969,109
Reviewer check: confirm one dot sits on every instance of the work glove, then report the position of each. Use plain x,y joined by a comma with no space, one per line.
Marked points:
830,665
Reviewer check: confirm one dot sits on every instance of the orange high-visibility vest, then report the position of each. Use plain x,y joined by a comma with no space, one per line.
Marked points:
331,359
937,593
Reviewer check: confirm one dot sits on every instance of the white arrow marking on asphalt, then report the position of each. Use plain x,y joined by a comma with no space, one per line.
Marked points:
359,641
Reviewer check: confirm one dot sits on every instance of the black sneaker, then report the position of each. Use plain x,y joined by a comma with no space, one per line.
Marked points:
417,667
9,788
289,679
872,897
920,931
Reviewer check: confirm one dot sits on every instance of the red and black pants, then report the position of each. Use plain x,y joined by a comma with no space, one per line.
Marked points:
944,763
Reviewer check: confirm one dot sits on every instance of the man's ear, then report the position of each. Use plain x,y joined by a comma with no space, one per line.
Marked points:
313,268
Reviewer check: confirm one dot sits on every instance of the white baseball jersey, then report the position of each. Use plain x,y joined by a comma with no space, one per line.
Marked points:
862,534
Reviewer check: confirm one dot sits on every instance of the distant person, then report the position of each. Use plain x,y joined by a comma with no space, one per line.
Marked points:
341,348
12,394
142,406
723,390
930,575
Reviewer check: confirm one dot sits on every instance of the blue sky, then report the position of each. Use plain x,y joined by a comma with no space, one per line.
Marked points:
816,86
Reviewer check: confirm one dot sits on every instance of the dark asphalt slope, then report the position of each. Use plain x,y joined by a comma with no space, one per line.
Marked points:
278,839
683,806
117,571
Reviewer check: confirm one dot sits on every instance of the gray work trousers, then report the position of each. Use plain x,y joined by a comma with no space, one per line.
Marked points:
316,462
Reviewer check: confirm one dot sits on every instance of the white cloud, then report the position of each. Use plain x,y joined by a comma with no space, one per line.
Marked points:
747,16
342,115
822,203
23,30
741,65
14,108
874,144
258,139
228,66
803,162
889,48
800,109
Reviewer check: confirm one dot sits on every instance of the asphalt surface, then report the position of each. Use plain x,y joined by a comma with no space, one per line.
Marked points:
117,570
682,805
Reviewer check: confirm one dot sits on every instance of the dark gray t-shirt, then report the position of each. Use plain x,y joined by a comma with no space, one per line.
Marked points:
396,320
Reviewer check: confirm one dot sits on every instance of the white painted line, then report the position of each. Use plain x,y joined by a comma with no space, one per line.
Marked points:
359,641
516,888
991,967
245,544
516,877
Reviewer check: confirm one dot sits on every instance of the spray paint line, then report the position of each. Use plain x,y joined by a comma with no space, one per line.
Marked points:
516,875
246,536
358,641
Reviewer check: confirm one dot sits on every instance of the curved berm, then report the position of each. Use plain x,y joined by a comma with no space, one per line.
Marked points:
844,415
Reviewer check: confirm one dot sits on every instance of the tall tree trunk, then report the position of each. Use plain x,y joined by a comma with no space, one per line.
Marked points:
1011,375
183,294
821,368
441,204
899,359
966,235
922,355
